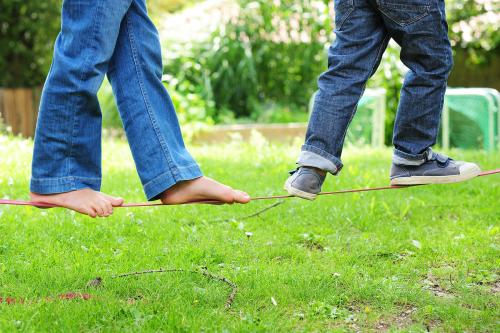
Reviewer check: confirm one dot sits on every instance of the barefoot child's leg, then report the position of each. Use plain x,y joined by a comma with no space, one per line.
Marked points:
66,167
114,37
167,170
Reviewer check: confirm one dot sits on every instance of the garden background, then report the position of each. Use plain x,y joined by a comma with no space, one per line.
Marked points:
229,61
411,260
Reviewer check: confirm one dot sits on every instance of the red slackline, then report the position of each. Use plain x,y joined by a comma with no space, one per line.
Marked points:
152,204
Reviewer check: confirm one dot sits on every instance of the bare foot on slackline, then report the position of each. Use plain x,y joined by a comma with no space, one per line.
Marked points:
201,189
85,201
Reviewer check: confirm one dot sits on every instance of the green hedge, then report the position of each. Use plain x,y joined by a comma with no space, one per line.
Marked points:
27,33
28,29
261,66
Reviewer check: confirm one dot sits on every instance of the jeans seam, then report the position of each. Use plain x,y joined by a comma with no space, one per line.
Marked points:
448,60
64,178
86,63
379,51
160,138
341,23
63,185
425,10
407,22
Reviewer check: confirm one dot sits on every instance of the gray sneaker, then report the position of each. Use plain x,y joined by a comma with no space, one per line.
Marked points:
304,183
437,169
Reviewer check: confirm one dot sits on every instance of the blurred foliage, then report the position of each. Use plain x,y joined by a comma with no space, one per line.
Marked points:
260,65
270,55
273,51
28,30
157,8
474,27
27,33
162,6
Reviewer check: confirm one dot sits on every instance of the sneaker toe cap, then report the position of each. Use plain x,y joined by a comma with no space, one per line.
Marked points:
468,168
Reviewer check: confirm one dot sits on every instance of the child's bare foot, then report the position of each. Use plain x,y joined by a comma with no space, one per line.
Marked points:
85,201
201,189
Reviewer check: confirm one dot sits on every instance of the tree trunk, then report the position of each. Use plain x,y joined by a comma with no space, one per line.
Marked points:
19,109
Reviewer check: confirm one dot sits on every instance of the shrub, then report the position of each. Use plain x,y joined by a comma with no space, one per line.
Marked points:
474,27
27,33
270,52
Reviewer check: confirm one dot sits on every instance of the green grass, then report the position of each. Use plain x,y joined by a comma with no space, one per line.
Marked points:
407,260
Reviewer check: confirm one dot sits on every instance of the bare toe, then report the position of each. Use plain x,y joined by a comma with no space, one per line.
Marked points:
100,208
90,212
241,197
108,207
115,202
228,196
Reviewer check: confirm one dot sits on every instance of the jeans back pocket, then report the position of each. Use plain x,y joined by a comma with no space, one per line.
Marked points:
404,12
343,8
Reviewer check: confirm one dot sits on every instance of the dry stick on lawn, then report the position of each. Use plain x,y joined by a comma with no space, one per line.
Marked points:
256,214
203,271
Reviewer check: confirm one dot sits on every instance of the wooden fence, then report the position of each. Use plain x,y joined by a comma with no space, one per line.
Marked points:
19,109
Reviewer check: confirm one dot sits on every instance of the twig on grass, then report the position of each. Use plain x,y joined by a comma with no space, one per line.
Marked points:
203,271
256,214
161,270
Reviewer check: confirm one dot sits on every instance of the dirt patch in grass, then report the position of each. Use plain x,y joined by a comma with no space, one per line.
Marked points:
495,287
432,283
402,320
432,324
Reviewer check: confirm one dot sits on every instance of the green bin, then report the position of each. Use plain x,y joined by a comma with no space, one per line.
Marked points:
368,125
471,119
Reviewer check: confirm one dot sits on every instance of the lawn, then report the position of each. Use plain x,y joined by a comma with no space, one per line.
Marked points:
417,259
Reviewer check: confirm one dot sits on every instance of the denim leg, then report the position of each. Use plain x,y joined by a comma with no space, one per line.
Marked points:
361,39
145,107
421,30
67,153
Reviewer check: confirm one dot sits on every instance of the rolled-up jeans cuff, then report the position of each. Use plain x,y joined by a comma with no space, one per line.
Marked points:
402,158
317,158
58,185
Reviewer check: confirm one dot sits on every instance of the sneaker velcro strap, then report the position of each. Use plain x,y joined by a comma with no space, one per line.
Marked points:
441,159
429,155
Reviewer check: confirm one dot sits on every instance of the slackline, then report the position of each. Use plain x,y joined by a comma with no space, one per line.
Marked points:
212,202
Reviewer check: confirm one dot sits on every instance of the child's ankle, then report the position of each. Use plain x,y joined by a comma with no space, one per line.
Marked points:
318,171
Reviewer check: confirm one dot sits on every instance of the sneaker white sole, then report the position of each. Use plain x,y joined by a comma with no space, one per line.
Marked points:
467,171
298,193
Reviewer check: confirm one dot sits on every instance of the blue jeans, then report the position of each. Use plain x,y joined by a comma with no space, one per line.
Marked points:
363,30
114,38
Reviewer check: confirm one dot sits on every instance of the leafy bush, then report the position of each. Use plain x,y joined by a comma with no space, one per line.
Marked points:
272,51
261,64
474,27
270,54
27,33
